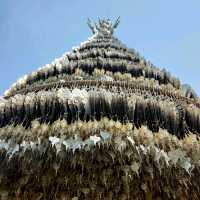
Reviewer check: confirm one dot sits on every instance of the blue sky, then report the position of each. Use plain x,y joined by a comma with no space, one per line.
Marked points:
35,32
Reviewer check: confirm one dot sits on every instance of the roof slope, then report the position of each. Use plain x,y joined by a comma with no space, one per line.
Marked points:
101,51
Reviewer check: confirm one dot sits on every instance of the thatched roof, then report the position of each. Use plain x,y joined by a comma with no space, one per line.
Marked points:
101,122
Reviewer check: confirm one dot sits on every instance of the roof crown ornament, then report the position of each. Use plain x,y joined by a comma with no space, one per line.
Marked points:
104,26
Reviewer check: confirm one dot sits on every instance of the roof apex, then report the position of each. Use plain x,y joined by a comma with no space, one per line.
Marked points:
104,26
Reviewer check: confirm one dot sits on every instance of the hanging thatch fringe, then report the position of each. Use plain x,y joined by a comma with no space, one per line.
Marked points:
133,163
86,105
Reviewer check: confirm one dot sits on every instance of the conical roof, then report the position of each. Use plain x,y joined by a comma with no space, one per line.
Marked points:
102,51
94,122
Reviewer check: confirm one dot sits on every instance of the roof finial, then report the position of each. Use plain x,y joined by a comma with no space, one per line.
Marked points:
91,25
116,23
104,26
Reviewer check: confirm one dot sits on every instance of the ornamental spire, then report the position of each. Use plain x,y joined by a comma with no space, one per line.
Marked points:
104,26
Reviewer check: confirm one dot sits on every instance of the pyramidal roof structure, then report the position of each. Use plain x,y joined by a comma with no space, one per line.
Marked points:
101,122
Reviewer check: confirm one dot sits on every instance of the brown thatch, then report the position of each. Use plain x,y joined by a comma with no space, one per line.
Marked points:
100,122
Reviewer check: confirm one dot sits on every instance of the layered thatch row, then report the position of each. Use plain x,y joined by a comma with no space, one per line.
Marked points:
103,53
100,75
135,71
138,87
76,104
97,160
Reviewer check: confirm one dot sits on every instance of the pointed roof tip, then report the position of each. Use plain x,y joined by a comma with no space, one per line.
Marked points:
104,26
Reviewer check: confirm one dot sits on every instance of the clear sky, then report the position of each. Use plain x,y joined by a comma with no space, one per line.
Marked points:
35,32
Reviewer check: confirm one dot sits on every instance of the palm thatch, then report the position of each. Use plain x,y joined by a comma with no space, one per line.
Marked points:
100,122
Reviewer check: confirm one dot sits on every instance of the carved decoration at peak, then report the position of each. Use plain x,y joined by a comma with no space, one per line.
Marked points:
104,26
